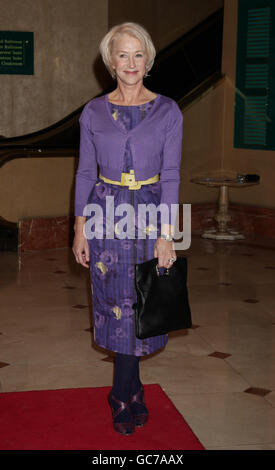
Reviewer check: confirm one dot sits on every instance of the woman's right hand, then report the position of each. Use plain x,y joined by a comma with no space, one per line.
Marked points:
81,249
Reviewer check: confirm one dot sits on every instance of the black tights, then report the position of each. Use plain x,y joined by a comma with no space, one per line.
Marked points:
126,376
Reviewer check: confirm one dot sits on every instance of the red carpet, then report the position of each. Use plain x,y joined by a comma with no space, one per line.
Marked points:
80,419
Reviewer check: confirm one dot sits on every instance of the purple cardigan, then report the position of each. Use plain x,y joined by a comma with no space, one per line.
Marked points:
156,144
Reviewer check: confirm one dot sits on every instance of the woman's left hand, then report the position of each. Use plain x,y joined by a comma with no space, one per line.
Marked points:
164,250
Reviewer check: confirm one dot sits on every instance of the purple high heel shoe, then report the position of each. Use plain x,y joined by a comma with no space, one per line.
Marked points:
122,428
139,418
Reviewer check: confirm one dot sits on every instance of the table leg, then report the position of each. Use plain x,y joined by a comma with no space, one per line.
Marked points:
223,217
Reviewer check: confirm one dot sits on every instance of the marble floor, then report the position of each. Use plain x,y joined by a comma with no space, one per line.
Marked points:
220,374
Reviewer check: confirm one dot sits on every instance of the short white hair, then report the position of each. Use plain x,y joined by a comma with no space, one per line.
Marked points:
132,29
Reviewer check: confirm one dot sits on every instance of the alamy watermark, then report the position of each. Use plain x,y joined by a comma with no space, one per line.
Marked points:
101,223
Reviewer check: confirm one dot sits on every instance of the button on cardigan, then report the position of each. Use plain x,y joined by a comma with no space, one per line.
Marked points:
156,144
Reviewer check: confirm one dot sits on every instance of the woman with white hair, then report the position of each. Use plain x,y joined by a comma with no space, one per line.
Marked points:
134,136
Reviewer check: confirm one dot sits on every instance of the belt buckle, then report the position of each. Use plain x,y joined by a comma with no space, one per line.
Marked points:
129,179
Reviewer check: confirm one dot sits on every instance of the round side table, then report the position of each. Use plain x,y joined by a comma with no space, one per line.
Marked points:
222,216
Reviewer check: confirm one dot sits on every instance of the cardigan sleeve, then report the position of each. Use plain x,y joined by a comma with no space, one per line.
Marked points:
171,162
86,175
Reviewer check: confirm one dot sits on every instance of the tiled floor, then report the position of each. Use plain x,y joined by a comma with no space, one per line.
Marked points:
220,374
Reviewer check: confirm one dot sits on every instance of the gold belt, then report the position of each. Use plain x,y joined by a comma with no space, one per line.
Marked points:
128,179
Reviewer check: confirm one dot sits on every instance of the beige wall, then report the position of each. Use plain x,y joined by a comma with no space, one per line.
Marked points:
44,187
37,187
66,38
165,20
202,149
208,131
68,73
261,162
67,68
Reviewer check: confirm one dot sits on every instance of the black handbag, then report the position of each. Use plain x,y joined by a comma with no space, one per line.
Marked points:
162,299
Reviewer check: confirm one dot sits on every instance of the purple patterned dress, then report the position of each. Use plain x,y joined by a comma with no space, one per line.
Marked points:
112,261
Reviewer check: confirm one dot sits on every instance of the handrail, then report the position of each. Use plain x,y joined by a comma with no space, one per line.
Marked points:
11,154
194,70
183,53
200,90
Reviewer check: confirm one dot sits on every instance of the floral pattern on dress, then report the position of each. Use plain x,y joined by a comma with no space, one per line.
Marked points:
112,260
